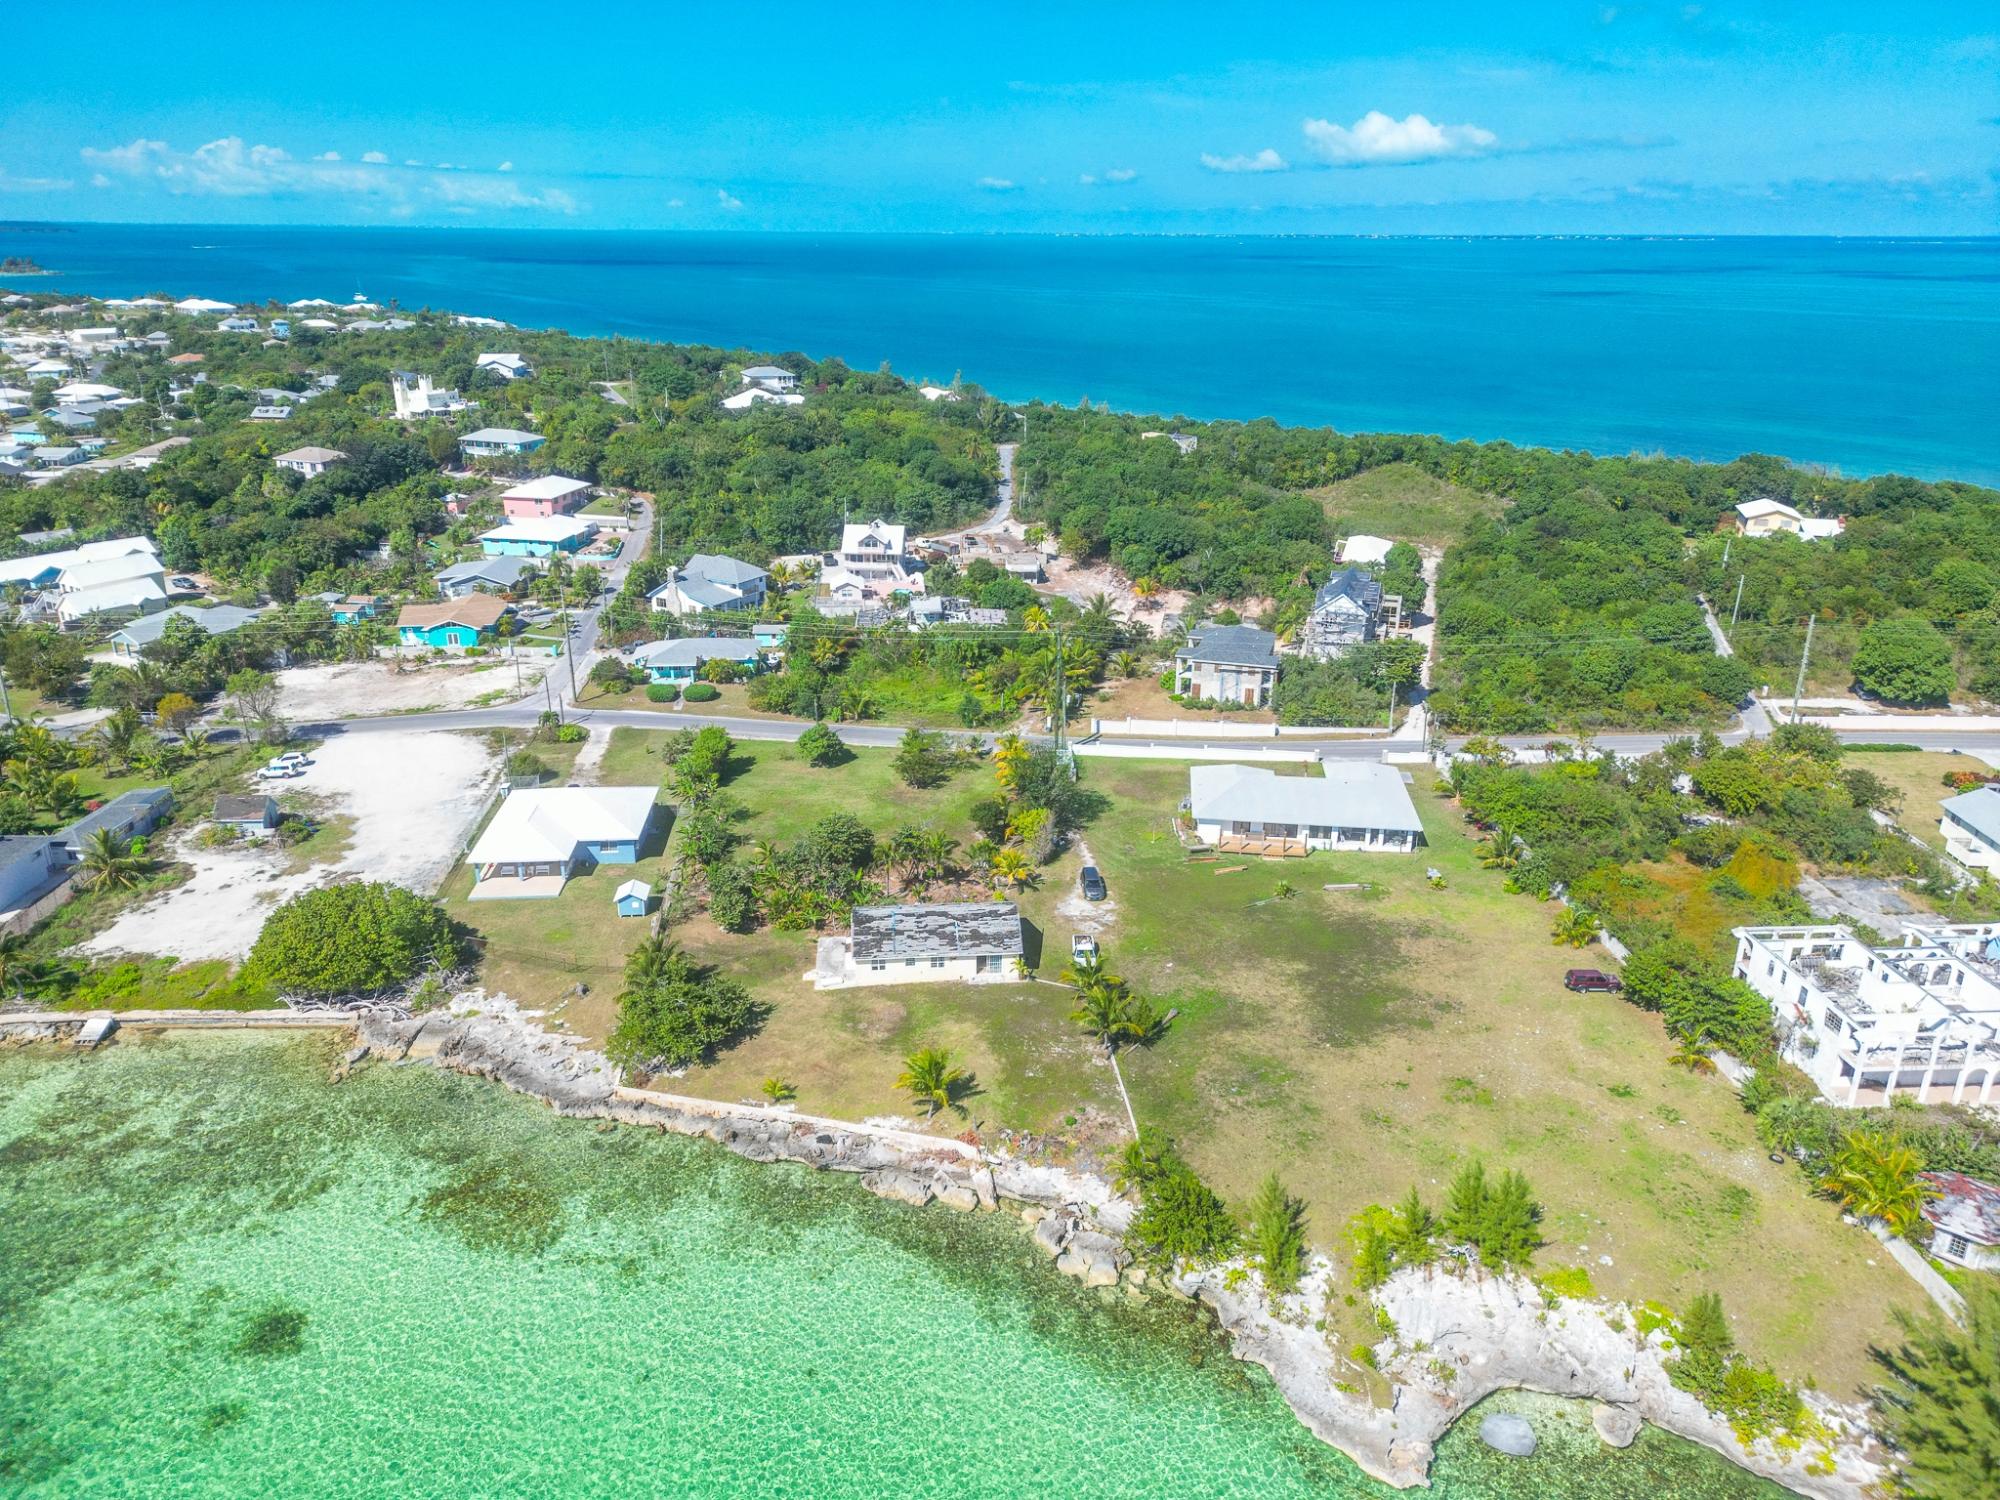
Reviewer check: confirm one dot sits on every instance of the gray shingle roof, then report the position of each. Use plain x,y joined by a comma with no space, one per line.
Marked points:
1351,583
504,571
1235,645
959,930
717,568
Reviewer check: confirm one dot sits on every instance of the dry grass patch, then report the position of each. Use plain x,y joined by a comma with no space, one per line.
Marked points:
1402,502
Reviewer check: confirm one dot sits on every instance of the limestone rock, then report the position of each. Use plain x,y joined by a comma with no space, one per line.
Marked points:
1094,1259
1053,1232
983,1188
1508,1433
957,1195
1615,1424
898,1187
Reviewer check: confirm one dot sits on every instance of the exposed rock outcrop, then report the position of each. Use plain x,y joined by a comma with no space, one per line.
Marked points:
1507,1433
1616,1425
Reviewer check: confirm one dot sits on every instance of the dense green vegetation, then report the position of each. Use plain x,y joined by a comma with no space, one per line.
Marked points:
672,1011
1923,558
353,938
1940,1408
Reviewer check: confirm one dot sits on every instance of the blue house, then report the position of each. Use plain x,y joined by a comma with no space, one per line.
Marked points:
499,442
538,536
542,836
633,899
769,635
682,660
453,625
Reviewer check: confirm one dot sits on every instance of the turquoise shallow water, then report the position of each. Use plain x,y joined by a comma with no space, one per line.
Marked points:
222,1276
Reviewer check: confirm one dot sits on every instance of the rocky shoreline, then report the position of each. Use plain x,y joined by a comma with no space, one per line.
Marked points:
1457,1336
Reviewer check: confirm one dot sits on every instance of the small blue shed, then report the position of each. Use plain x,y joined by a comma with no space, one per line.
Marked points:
633,898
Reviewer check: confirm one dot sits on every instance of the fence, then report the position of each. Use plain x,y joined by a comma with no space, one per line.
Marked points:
25,918
1223,729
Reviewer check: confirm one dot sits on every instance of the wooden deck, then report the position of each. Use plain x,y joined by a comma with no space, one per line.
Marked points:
1266,848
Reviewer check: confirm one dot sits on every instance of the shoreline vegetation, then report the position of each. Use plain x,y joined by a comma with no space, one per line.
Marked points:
1453,1338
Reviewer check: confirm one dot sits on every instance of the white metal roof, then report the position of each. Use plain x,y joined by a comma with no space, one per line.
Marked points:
501,435
133,593
539,529
548,823
1751,510
103,570
547,487
1350,795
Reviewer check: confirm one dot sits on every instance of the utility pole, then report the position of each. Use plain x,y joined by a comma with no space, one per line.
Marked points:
1059,720
6,702
1725,550
1739,599
1392,707
1799,687
569,655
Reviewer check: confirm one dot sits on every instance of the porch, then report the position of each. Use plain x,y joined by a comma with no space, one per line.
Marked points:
518,882
1267,846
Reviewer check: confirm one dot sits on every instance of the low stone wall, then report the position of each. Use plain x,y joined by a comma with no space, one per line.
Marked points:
26,918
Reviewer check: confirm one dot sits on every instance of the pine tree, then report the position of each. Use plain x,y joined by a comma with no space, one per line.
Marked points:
1465,1204
1410,1235
1372,1259
1704,1336
1941,1407
1276,1232
1509,1237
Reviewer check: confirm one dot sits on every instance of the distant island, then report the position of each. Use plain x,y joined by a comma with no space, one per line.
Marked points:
22,265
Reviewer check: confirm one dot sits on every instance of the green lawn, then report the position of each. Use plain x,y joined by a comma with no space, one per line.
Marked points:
1402,502
1919,777
1353,1041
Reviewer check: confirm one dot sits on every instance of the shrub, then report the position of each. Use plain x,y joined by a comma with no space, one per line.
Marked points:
571,734
1275,1229
701,692
1179,1217
354,938
672,1012
821,746
661,692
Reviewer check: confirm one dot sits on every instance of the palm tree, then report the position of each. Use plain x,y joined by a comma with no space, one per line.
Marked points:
194,740
932,1080
1692,1054
17,970
110,864
1873,1174
1010,753
1503,846
1575,926
777,1091
1127,664
1146,588
1011,867
120,738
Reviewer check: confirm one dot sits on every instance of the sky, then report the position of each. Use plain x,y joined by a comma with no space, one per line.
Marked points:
1723,117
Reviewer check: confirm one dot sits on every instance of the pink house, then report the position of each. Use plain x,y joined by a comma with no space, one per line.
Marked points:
550,495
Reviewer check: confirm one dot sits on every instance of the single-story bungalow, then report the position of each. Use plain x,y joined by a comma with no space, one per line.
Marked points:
498,575
58,456
132,596
756,395
537,536
134,636
310,462
548,495
770,378
30,866
1253,810
543,835
44,569
452,625
93,573
1970,824
250,816
682,660
1964,1220
499,442
129,815
352,609
511,366
978,942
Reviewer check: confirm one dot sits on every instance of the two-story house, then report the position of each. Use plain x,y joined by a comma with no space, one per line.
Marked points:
1344,614
710,582
1228,664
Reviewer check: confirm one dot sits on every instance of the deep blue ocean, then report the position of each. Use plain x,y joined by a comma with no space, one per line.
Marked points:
1864,355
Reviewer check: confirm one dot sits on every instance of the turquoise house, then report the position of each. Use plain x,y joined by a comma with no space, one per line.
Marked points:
538,536
769,635
451,626
352,611
682,660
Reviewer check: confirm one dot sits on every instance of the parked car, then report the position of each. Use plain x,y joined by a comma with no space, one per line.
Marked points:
1590,981
1093,884
292,758
278,772
1082,945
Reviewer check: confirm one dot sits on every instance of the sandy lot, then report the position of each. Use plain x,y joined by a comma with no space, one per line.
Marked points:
350,690
411,799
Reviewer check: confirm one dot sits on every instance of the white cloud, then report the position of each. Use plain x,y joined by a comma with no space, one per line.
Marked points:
229,168
380,158
1111,178
1377,140
728,203
676,203
99,180
997,184
505,166
1266,160
9,183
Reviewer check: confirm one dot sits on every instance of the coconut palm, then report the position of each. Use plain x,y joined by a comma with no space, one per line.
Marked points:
777,1091
119,739
17,970
110,863
1010,867
1873,1174
1503,846
1692,1054
1575,927
932,1080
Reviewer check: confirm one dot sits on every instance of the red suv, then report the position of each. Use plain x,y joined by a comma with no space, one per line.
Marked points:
1590,981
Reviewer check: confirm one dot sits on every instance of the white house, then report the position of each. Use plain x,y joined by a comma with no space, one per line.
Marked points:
705,582
1964,1219
417,396
92,573
1361,805
1769,517
1866,1024
131,596
1971,828
508,366
756,395
43,569
310,462
771,378
197,306
1344,614
85,390
542,836
1228,664
972,942
1186,442
937,393
873,550
1368,551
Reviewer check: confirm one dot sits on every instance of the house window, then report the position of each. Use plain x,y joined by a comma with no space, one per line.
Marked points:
937,963
1321,831
1802,994
878,965
609,848
1957,1246
1770,968
1833,1023
909,963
